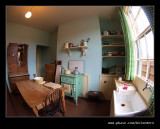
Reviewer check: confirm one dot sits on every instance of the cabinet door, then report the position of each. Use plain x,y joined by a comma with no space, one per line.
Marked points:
107,86
50,72
22,70
12,55
24,63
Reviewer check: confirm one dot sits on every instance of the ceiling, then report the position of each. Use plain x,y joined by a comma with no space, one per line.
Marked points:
47,18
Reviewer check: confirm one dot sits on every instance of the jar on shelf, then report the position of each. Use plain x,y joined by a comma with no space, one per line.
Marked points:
65,45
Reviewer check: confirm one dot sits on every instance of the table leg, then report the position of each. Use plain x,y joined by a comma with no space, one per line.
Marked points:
63,102
35,111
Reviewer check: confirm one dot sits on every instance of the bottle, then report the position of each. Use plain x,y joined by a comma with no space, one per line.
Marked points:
119,79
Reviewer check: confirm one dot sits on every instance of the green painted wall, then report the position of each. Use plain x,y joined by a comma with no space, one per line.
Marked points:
48,54
75,31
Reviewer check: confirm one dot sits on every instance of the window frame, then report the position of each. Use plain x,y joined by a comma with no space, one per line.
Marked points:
137,39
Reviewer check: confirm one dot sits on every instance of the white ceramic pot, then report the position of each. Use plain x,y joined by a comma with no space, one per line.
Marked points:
67,71
38,79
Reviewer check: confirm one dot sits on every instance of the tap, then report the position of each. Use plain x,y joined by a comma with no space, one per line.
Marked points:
147,86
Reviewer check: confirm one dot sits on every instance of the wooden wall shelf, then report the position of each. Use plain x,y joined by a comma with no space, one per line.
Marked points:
111,56
113,46
80,47
112,36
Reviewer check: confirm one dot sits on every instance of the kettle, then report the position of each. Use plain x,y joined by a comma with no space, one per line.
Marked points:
76,71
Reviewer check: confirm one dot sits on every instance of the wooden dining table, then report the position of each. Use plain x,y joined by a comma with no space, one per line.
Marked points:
34,94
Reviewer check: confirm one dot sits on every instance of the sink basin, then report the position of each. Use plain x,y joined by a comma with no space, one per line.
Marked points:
127,105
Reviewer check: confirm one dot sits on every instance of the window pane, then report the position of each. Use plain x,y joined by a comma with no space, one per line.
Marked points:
133,11
144,69
137,49
138,67
143,49
151,71
150,45
141,22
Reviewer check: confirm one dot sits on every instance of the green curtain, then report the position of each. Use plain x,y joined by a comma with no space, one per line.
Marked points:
129,50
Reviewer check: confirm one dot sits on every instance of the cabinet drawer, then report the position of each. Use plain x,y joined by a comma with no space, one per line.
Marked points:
22,78
69,80
14,79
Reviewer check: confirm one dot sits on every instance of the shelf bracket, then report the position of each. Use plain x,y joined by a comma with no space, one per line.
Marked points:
69,52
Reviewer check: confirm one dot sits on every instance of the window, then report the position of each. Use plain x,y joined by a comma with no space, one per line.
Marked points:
144,42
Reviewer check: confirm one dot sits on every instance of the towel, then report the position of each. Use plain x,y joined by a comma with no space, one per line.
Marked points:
52,85
68,88
125,87
126,91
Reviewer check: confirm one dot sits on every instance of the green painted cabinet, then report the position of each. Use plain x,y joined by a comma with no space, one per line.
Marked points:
73,84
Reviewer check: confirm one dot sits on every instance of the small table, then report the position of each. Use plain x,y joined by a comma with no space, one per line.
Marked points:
35,94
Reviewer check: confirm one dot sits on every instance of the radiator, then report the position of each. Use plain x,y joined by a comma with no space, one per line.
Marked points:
85,85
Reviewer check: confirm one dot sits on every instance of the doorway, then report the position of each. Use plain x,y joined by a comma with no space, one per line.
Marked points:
38,61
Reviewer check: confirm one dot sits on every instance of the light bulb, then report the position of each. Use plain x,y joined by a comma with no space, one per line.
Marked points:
28,14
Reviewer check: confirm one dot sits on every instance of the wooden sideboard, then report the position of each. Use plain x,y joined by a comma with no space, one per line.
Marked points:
17,64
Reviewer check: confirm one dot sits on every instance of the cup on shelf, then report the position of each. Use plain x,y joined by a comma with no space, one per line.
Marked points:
106,33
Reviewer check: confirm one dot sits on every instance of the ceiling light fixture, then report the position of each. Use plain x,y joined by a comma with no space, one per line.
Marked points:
28,14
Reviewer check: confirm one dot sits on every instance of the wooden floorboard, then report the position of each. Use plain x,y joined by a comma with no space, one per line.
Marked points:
16,107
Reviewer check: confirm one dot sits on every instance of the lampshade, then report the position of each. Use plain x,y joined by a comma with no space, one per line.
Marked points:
28,14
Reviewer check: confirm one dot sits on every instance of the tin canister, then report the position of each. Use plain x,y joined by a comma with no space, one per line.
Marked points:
65,45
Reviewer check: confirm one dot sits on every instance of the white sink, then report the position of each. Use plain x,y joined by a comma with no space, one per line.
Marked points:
128,105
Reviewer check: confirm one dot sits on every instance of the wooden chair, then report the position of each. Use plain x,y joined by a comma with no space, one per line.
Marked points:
53,104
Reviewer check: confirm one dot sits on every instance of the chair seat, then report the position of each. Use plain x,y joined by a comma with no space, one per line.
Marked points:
53,103
44,112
